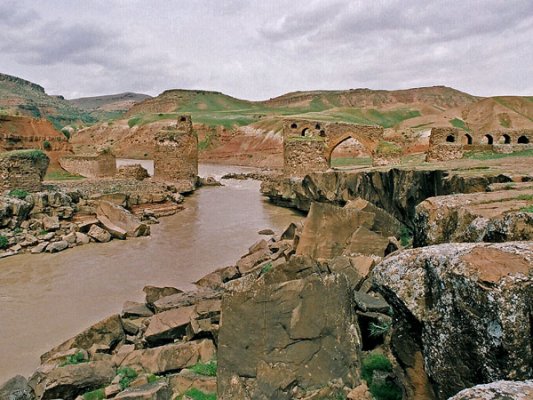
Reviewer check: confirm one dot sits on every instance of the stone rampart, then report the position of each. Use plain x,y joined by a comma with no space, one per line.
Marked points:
100,165
23,169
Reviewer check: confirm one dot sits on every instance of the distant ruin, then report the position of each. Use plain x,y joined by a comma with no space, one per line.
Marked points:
308,145
451,143
176,152
98,165
23,169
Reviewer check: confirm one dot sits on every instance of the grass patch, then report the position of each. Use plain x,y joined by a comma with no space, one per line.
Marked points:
61,176
207,369
489,155
528,209
527,197
74,359
152,378
19,194
97,394
196,394
459,123
127,375
134,121
349,161
4,242
388,148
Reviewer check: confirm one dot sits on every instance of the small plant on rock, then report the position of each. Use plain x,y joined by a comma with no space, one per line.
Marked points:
97,394
207,369
47,145
196,394
4,242
19,194
378,329
266,268
127,375
74,359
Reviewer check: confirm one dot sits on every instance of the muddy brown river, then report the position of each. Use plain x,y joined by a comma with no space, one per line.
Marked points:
47,298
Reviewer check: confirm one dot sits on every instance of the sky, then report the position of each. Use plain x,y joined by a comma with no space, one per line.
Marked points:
261,49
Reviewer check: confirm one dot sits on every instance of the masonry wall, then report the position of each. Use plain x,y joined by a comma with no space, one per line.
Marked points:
101,165
18,171
176,152
307,145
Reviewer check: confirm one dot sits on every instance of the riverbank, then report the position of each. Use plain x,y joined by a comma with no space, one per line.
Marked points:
67,291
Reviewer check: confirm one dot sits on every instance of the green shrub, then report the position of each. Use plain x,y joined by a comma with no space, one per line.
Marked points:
17,230
97,394
74,359
34,155
152,378
374,362
4,242
66,133
527,197
386,391
405,236
19,194
127,375
382,391
527,209
47,145
208,369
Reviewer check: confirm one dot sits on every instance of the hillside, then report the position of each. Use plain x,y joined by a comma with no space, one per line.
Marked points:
109,106
21,97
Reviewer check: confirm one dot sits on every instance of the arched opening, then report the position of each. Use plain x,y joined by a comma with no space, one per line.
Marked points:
450,138
183,119
467,139
305,132
317,127
487,139
523,140
322,133
350,153
294,125
505,139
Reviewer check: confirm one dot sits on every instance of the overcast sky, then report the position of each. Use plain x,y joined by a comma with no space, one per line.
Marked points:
260,49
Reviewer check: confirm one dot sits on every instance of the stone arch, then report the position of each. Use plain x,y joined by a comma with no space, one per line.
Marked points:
505,139
523,140
450,139
305,132
334,143
487,139
467,139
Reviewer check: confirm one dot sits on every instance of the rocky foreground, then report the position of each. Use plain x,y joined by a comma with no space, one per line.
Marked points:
346,305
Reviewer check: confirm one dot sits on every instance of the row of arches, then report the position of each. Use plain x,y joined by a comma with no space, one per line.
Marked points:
488,139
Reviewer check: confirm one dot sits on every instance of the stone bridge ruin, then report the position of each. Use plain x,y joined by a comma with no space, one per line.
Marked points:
308,145
451,143
176,152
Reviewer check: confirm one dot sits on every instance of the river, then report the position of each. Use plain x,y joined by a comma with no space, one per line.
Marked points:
47,298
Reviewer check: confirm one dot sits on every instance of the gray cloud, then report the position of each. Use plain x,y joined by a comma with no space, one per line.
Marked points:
262,49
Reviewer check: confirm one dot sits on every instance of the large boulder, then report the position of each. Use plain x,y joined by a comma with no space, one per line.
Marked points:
504,390
331,231
169,358
278,336
467,307
498,216
119,221
108,332
71,380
